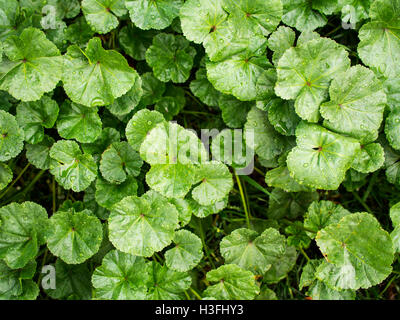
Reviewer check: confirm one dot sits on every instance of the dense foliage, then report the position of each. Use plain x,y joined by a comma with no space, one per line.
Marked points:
97,99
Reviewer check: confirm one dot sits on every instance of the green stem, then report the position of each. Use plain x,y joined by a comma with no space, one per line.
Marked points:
54,195
362,202
246,211
196,294
203,240
370,185
15,181
256,185
389,283
297,226
304,254
29,187
160,260
43,263
187,295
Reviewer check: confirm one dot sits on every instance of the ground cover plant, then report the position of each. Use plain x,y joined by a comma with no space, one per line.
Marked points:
108,190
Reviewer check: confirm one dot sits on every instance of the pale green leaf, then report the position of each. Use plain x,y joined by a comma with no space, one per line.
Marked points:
187,252
142,226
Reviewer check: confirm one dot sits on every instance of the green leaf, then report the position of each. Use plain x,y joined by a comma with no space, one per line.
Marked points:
171,57
140,125
318,290
79,32
395,214
9,12
392,162
65,9
72,169
357,104
6,175
187,252
185,210
135,41
300,15
204,90
102,15
169,107
120,161
321,157
74,236
201,18
204,211
142,226
251,251
267,142
352,265
379,45
30,290
289,205
322,214
281,40
108,194
89,200
96,77
32,117
280,178
246,76
11,136
282,266
167,284
257,15
12,282
282,115
231,283
305,73
39,154
106,138
297,236
392,128
33,65
229,147
234,111
22,231
392,89
354,11
370,158
153,89
78,122
216,183
395,234
153,14
129,101
71,280
121,276
172,152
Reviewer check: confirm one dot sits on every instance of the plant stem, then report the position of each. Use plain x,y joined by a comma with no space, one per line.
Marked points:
30,186
370,185
196,294
15,180
203,240
187,295
54,195
256,185
362,202
304,254
246,211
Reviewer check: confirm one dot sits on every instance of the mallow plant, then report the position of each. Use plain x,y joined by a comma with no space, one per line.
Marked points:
199,149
